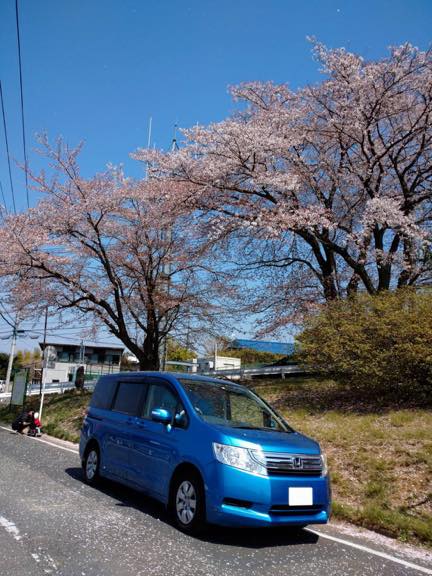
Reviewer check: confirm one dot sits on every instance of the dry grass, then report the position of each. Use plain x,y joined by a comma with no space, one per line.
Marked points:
380,455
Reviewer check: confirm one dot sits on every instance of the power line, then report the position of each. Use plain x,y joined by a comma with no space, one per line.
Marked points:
7,147
22,102
6,320
3,196
11,320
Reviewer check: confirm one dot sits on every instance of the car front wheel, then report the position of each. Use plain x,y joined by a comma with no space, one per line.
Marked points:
189,503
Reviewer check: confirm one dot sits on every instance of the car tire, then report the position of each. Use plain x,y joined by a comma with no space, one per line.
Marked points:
188,503
91,464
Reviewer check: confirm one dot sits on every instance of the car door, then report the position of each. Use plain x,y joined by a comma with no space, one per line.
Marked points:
127,404
158,444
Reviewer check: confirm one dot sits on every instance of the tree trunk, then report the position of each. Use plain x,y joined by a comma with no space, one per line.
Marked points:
149,357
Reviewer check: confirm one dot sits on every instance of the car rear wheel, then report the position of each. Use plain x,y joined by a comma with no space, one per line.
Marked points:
91,465
188,503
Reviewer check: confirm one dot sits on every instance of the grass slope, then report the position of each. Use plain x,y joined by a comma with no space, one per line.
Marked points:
62,414
380,453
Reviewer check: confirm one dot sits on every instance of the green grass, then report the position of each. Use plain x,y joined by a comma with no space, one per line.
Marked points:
379,451
62,414
380,454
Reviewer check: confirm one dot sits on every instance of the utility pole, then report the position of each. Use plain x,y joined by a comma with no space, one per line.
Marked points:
215,354
167,266
45,360
11,357
43,350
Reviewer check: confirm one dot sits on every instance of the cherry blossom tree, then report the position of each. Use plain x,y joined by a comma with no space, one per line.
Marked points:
329,186
111,248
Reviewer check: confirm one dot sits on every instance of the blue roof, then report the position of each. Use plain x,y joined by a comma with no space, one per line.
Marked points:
286,348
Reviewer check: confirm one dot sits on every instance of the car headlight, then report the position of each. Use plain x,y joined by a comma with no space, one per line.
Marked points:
324,465
241,458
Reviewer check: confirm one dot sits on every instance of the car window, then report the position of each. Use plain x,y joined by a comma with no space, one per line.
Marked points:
161,396
103,394
242,410
128,397
230,405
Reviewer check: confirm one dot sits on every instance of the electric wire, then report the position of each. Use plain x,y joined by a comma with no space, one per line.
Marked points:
3,196
7,312
7,147
22,102
6,320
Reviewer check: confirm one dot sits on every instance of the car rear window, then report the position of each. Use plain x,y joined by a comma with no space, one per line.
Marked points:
103,393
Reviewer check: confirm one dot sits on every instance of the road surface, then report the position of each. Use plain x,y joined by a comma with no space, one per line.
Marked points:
53,523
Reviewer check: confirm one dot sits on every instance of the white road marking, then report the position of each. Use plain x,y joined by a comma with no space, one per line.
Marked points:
55,445
44,441
10,528
372,551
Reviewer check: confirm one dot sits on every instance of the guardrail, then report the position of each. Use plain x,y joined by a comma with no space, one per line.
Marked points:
250,372
50,388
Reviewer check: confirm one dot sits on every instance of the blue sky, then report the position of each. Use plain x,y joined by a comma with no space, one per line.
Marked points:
96,70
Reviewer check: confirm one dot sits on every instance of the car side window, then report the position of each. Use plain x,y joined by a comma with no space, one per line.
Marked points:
161,396
128,397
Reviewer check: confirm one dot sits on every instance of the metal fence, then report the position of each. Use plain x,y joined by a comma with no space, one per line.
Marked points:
244,373
50,388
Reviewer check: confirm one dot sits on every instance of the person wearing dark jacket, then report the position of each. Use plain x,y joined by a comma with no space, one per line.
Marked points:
23,422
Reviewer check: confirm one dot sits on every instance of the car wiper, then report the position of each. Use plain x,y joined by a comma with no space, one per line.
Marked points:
258,428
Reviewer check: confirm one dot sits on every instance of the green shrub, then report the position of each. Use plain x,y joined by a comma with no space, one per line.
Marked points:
373,341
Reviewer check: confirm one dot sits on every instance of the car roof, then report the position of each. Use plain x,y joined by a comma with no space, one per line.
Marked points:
176,376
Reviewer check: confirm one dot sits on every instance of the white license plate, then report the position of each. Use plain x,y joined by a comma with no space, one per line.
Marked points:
300,496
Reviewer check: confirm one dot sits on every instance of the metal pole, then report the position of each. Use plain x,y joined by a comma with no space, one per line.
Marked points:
215,355
165,354
148,145
11,358
44,365
44,346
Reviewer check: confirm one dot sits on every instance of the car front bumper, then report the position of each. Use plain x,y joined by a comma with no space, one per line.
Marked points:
238,498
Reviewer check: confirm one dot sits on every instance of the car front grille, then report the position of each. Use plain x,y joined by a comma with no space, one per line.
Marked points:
282,464
284,510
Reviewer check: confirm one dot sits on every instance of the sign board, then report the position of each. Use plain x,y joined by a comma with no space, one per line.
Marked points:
19,388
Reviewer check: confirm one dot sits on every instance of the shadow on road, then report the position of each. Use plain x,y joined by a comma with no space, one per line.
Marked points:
241,537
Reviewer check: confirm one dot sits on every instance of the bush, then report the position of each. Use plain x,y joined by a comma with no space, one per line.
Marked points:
373,341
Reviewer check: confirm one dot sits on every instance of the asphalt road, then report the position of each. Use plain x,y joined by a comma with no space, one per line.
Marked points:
53,523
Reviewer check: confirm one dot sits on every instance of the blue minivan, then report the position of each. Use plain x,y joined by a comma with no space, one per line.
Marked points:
212,451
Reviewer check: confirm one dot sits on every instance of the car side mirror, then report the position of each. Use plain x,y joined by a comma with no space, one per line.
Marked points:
161,415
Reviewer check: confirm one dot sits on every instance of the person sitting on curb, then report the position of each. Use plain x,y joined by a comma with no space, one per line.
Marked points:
23,421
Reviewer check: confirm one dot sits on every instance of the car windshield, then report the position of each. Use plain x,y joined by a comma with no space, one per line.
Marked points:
232,406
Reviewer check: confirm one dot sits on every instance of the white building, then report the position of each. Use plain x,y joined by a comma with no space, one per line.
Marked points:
64,359
218,363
